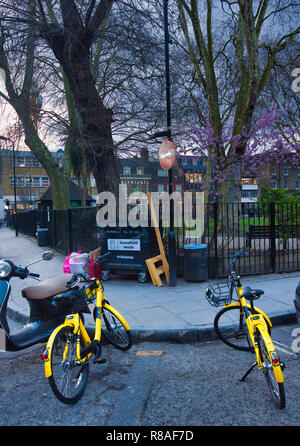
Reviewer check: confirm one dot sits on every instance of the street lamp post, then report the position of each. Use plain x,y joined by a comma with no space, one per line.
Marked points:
168,134
172,239
15,191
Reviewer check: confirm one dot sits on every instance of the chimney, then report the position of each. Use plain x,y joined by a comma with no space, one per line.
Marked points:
145,155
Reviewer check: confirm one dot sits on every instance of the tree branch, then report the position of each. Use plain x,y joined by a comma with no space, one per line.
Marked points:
100,15
71,18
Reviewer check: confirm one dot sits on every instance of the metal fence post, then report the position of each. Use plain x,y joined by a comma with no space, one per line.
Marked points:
69,211
272,237
216,266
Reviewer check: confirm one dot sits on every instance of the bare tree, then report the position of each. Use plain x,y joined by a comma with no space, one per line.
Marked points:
19,73
235,32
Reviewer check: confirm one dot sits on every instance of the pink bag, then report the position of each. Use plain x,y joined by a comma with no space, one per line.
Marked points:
98,269
67,269
66,264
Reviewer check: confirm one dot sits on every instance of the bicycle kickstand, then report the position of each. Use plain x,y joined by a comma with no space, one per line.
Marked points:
249,371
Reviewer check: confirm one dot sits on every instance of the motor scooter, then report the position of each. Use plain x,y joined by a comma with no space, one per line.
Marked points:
45,314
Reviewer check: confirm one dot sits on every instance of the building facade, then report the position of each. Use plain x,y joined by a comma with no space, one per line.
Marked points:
31,178
143,174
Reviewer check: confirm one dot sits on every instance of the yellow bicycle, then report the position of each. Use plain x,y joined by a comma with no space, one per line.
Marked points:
70,349
245,327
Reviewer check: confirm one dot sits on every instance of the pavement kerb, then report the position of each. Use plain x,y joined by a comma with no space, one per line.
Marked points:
180,335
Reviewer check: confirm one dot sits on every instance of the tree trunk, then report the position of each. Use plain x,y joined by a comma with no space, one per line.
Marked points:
96,119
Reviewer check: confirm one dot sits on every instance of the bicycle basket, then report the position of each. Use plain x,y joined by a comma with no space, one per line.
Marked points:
218,294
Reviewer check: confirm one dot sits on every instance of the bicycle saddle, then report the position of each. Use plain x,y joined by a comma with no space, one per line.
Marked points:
47,288
252,294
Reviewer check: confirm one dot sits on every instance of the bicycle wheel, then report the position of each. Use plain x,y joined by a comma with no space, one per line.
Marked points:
230,326
276,388
115,332
68,380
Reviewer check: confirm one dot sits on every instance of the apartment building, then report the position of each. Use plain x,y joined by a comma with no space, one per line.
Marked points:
284,175
281,176
31,178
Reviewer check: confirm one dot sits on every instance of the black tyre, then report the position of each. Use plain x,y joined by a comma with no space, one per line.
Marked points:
276,388
68,380
230,326
114,331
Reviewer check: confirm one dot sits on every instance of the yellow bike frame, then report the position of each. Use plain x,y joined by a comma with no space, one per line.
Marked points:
74,321
257,322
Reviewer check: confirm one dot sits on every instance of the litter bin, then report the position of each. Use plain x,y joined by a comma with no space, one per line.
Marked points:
129,249
43,236
195,262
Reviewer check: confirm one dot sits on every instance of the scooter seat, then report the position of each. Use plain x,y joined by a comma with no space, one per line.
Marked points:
47,288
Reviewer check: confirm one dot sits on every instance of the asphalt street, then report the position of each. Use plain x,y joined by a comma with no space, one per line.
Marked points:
156,384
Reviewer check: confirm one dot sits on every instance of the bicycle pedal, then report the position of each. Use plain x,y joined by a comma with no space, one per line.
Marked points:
100,361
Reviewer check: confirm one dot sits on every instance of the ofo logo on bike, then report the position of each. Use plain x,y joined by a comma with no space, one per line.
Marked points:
133,210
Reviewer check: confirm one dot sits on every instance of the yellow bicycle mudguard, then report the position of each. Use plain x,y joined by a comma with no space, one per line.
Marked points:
47,353
237,304
271,350
117,314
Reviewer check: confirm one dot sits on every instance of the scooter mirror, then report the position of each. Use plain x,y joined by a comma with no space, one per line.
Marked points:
48,255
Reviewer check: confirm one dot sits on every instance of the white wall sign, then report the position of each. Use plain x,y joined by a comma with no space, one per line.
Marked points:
115,244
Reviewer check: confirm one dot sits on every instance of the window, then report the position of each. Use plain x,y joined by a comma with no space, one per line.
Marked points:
286,184
140,170
162,173
24,161
45,181
274,171
298,171
193,177
178,187
249,181
249,193
286,171
35,182
29,181
19,161
161,188
274,184
126,170
31,161
297,185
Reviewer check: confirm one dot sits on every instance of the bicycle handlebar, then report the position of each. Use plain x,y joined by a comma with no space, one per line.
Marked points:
234,260
237,255
101,258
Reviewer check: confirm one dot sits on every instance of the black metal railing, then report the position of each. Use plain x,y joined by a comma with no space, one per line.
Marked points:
268,233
